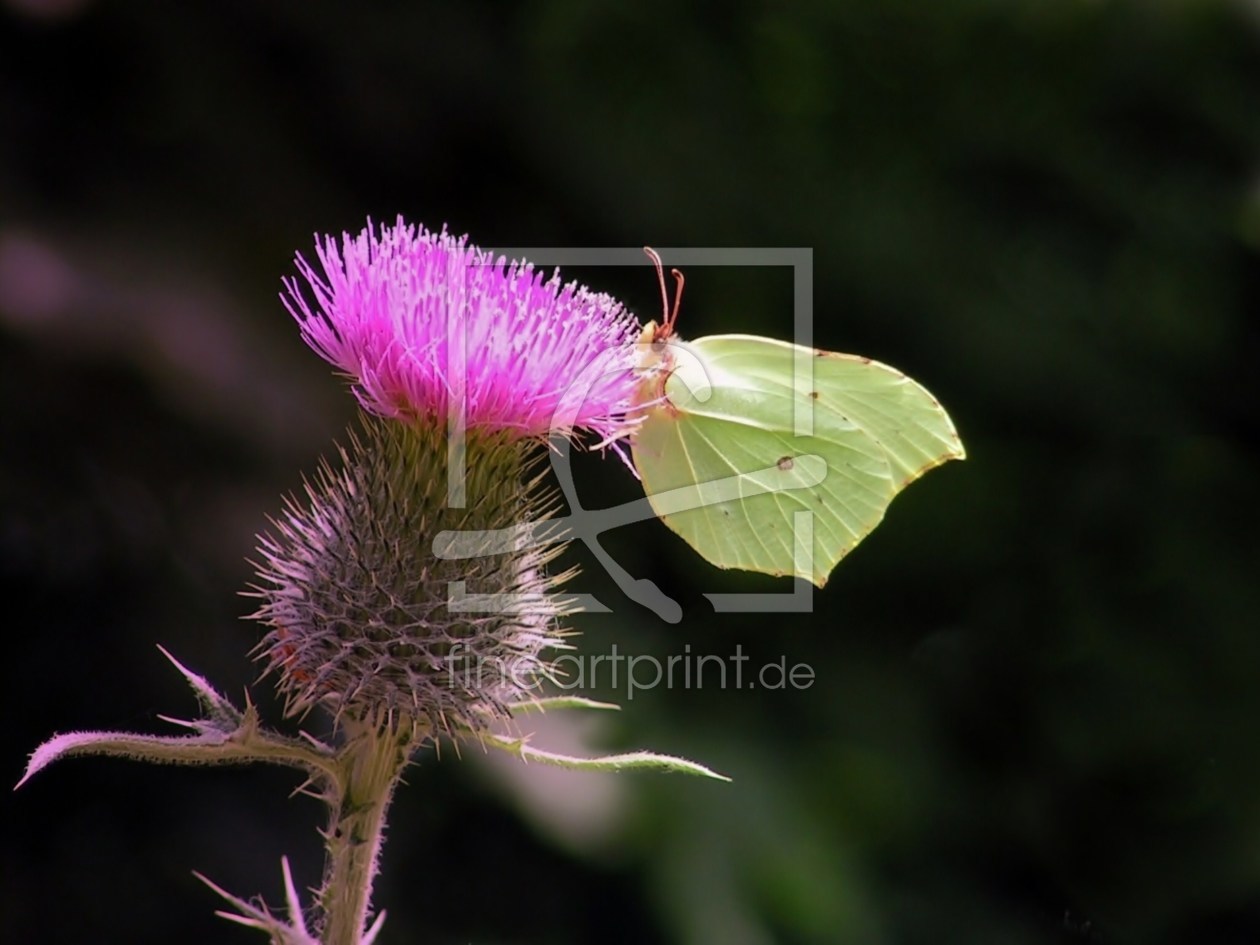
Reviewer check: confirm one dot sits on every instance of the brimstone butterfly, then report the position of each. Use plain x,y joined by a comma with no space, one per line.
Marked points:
740,434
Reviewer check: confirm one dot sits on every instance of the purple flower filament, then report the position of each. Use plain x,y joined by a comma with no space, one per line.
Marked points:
432,329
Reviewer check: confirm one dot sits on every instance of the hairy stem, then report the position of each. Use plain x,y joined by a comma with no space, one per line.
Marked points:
373,760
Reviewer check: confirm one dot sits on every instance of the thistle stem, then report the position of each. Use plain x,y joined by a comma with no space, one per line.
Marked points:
373,760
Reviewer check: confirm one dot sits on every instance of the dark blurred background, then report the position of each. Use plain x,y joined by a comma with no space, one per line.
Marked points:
1036,715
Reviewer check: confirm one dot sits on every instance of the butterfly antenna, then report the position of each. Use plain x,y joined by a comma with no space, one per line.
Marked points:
667,323
679,282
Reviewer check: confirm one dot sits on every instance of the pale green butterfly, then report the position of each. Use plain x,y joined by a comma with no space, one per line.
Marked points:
772,457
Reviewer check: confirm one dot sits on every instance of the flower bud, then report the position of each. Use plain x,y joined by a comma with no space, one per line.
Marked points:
364,618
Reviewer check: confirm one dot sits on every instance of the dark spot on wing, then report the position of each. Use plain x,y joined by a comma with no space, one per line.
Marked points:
819,353
814,394
785,463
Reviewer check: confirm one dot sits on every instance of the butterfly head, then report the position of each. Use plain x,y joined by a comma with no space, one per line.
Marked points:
653,349
656,359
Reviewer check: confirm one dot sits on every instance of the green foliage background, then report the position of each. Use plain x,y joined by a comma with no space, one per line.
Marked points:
1036,710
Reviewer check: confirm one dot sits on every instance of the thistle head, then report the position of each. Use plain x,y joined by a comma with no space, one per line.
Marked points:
439,340
363,617
430,328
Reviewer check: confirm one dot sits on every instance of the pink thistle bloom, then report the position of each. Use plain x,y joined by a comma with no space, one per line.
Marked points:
429,327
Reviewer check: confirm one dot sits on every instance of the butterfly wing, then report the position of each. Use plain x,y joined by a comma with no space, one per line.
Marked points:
771,457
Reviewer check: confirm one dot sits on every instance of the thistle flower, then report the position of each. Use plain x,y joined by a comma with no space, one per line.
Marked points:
428,326
366,619
363,617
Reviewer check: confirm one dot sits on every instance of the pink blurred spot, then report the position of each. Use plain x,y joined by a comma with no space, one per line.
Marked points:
48,9
36,284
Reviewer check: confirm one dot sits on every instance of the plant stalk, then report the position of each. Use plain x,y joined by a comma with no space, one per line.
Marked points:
373,760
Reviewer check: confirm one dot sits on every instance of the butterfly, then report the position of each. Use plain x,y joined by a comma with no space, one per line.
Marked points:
770,456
